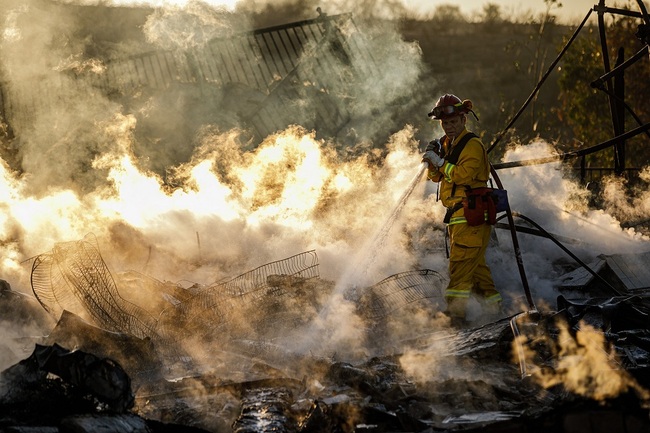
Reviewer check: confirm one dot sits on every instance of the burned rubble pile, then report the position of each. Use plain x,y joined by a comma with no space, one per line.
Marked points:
232,357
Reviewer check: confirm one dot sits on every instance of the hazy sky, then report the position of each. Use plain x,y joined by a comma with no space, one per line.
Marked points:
571,10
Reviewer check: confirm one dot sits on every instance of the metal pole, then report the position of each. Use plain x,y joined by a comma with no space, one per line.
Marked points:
515,246
619,127
608,83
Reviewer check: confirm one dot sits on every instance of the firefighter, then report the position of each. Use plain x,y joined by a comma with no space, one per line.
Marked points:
459,161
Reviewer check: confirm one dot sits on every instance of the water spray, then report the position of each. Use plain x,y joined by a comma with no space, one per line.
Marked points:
362,263
346,287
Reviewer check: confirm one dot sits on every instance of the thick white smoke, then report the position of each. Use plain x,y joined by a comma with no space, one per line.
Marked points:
228,209
561,206
223,207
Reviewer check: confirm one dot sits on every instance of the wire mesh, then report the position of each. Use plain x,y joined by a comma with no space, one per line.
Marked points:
74,277
290,270
423,286
257,302
50,287
247,312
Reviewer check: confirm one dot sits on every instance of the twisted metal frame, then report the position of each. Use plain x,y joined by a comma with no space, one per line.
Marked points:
247,305
398,291
74,277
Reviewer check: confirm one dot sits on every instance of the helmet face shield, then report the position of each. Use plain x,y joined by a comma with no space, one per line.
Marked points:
440,111
451,105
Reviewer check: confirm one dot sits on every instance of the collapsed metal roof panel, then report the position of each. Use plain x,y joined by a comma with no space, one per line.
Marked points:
580,277
631,269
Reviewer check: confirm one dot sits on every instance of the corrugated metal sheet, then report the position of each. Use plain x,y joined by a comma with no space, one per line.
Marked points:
630,272
580,277
632,269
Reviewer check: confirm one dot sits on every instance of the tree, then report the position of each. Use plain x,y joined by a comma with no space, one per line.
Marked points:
491,14
448,18
531,49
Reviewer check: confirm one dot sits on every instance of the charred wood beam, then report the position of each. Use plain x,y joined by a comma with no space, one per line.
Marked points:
265,409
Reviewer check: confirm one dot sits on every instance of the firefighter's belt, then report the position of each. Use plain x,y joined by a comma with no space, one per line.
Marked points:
451,210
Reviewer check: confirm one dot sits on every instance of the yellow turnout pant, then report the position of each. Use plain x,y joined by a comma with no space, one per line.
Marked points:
468,272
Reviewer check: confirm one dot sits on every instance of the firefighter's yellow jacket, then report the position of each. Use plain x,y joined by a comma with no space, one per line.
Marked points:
472,169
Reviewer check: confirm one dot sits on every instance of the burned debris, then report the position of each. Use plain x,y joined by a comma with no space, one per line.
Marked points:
627,274
511,373
88,375
74,277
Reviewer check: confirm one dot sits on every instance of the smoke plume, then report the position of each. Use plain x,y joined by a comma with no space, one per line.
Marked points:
173,187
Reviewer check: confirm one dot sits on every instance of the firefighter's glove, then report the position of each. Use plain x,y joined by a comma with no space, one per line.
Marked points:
434,145
433,159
